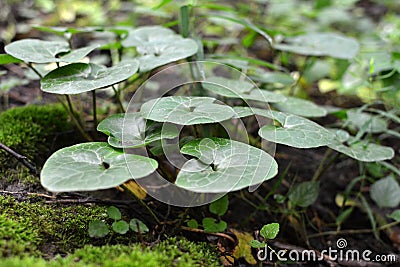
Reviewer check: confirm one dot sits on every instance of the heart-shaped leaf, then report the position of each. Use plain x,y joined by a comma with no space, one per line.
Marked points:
321,44
300,107
138,226
39,51
159,46
366,121
304,194
92,166
296,131
212,226
224,165
386,192
130,130
77,78
240,89
186,110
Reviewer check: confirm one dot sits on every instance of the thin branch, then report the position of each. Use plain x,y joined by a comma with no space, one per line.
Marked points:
24,160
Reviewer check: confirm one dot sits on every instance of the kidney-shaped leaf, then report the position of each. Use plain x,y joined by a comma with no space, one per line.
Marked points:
186,110
131,130
295,131
240,89
92,166
300,107
39,51
224,165
321,44
159,46
77,78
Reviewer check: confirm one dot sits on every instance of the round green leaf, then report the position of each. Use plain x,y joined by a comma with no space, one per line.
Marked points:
92,166
220,206
186,110
300,107
159,46
137,133
270,231
321,44
386,192
77,78
240,89
224,165
296,131
120,227
98,229
114,213
133,224
39,51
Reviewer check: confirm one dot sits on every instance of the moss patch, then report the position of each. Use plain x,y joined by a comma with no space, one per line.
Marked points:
171,252
47,228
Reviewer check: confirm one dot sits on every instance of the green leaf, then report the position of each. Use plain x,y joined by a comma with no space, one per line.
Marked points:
343,216
224,165
362,150
295,131
274,78
257,244
371,123
133,224
120,227
300,107
321,44
92,166
395,215
270,231
114,213
7,59
386,192
192,223
158,46
304,194
136,133
220,206
240,89
77,78
211,225
98,229
39,51
186,110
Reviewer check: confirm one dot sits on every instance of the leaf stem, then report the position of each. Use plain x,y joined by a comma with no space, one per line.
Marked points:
118,97
75,120
34,70
94,104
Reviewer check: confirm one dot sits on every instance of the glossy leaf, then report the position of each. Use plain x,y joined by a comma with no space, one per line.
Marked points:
186,110
224,165
158,46
240,89
296,131
270,231
39,51
300,107
92,166
130,130
321,44
386,192
77,78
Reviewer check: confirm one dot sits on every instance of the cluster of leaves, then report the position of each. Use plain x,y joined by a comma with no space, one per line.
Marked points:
98,228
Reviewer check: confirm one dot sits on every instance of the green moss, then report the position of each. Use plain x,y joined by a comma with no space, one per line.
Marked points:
56,228
172,252
29,131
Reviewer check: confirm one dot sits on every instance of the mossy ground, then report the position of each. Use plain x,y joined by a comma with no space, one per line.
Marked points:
33,233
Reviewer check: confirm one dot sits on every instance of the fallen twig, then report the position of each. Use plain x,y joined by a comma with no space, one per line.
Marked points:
20,158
